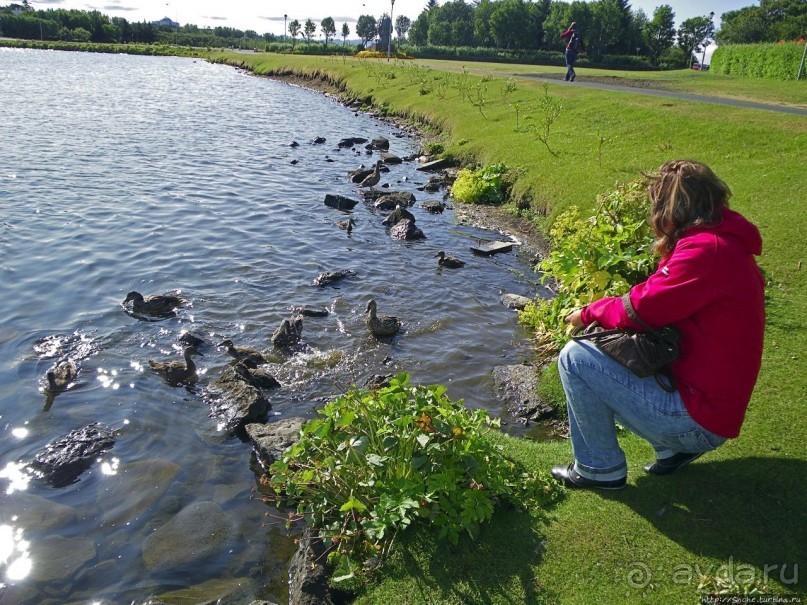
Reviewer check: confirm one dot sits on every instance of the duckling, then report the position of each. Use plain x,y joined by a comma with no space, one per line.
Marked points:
448,261
385,325
288,333
373,179
249,356
159,305
346,225
260,379
60,376
177,371
397,215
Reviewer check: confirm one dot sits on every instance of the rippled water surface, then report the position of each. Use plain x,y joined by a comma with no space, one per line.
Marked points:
122,173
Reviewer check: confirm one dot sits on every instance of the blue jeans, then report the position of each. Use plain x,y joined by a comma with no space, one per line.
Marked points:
571,57
600,392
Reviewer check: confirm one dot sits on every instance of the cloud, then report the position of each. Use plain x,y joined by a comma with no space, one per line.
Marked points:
336,20
215,18
114,7
49,1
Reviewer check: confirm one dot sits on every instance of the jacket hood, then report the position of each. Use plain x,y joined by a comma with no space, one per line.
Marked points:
736,226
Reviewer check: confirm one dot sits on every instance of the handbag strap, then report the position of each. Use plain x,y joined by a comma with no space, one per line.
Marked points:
632,312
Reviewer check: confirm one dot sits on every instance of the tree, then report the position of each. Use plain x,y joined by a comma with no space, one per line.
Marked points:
606,28
694,32
294,31
309,29
509,23
402,25
659,34
328,29
366,28
771,21
419,32
452,24
561,14
345,33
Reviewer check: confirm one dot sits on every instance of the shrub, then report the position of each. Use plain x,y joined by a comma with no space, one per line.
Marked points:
375,462
776,61
486,185
602,255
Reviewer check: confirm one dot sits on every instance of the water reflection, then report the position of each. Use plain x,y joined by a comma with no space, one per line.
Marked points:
18,479
14,555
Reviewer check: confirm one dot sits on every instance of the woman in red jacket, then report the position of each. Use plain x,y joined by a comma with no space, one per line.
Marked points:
708,286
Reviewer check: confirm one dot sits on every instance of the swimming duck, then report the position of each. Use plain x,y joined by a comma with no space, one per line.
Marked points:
373,179
385,325
260,379
346,225
60,376
177,371
288,333
398,215
448,261
159,305
249,356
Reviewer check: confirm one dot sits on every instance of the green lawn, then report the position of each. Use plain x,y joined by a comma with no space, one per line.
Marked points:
743,505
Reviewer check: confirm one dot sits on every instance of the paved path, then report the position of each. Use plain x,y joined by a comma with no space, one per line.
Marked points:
581,81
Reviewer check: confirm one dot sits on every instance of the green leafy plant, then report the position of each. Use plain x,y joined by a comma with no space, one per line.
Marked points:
487,185
602,255
374,462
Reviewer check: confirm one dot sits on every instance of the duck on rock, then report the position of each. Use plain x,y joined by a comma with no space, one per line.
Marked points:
177,372
373,179
158,305
381,325
247,355
288,333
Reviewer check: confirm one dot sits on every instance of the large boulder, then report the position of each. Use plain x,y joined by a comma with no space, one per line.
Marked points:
197,532
348,142
339,202
61,462
393,199
406,230
234,402
126,496
379,143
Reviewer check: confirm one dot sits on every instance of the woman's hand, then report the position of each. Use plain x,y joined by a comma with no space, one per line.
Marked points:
575,318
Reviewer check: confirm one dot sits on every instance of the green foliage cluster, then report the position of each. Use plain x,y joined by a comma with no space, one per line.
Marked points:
486,185
375,462
777,61
602,255
90,47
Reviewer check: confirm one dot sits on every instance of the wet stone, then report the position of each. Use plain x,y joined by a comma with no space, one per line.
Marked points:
406,230
393,199
61,462
517,386
40,514
339,202
270,440
134,490
58,559
515,301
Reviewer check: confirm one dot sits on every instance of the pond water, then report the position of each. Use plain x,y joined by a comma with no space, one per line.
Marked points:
122,173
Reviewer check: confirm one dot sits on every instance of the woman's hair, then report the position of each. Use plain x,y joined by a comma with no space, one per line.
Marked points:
684,194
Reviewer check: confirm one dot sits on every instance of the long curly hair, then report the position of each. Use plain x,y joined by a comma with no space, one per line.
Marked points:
684,194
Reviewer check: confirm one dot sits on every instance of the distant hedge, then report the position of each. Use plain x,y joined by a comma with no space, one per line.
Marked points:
775,61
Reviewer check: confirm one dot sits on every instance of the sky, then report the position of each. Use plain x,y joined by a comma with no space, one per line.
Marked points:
267,16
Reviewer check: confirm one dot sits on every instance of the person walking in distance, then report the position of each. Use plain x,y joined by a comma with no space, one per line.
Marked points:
574,44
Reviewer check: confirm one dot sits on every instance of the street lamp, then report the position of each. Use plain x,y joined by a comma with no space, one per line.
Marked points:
703,58
284,26
389,40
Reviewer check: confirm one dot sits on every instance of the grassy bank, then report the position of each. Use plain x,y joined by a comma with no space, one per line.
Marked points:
740,510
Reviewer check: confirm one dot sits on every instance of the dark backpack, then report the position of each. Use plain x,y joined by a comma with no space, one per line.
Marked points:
575,42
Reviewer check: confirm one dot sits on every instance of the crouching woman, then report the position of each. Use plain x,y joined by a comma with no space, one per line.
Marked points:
707,285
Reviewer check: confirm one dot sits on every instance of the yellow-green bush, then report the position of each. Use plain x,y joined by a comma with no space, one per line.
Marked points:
777,61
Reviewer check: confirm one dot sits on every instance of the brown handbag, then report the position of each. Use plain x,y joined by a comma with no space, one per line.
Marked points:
645,353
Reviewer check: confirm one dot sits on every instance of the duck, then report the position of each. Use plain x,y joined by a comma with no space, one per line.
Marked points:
288,333
60,376
177,371
384,325
190,339
249,356
158,305
260,379
448,261
373,179
398,215
346,225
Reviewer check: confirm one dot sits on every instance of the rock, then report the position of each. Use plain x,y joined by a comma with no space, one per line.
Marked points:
339,202
294,144
220,592
358,175
311,312
515,301
198,531
390,158
257,377
137,486
379,143
308,577
406,229
329,277
29,511
234,403
190,339
433,165
433,206
377,381
393,199
58,559
271,440
62,461
397,215
517,386
288,333
351,141
319,140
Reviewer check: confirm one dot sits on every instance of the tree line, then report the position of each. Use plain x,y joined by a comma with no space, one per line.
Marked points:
609,27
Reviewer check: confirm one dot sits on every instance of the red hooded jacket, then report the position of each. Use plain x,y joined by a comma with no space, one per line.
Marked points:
711,289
